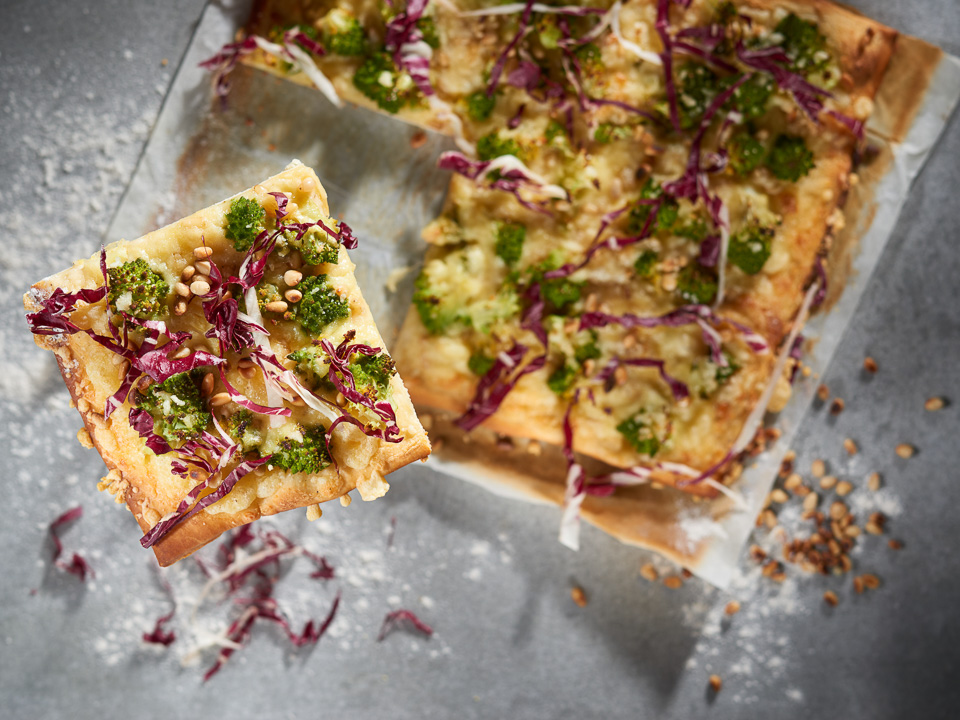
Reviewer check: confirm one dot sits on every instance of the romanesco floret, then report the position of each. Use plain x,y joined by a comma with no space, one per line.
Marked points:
638,433
242,428
320,305
750,248
343,34
752,96
746,153
372,373
480,363
803,44
176,407
380,80
244,222
137,290
666,215
267,293
789,158
646,264
315,245
309,456
696,284
562,378
480,105
492,146
697,86
510,238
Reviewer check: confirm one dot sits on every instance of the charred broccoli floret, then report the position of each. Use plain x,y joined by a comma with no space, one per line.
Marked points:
789,158
379,79
752,96
646,264
320,305
372,373
242,427
750,248
177,409
343,34
510,237
697,86
562,378
244,222
309,455
137,290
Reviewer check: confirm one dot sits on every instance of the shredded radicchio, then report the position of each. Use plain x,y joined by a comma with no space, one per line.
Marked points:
678,388
494,387
405,41
398,618
77,565
160,635
504,173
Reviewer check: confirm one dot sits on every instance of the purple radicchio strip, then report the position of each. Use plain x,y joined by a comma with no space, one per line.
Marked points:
405,41
394,619
225,61
494,387
677,388
226,485
502,60
512,175
774,61
821,272
78,565
245,402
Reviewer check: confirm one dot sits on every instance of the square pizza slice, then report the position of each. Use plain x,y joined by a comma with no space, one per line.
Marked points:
227,367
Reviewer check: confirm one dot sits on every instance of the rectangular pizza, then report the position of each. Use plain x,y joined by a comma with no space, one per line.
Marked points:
227,367
641,217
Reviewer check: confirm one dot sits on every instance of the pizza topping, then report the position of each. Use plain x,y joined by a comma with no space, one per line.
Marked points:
244,223
343,34
383,82
138,290
789,158
178,411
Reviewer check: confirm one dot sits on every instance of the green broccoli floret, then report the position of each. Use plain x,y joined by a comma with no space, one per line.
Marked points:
696,284
725,372
639,435
244,223
745,152
750,248
428,27
558,293
803,44
645,266
242,428
789,159
589,56
693,227
480,106
666,215
480,363
320,305
380,80
589,350
492,146
548,32
510,237
309,456
267,293
137,290
608,132
697,85
562,379
436,316
751,98
372,373
315,245
312,366
176,407
555,130
342,33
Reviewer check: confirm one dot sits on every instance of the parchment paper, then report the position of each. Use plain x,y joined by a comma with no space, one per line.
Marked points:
200,153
